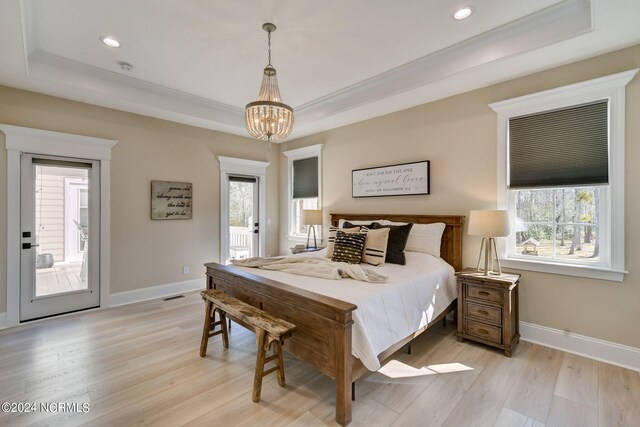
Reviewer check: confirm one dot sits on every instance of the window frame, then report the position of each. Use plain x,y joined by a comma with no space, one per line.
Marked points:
611,88
299,154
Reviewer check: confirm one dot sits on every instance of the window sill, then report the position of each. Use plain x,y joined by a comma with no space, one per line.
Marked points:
565,269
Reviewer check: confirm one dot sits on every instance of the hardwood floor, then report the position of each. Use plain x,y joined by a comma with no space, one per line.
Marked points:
139,365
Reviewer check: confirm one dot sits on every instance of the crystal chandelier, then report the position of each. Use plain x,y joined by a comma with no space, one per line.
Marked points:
268,118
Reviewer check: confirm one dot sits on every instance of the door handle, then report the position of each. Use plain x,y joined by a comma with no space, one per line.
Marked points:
29,246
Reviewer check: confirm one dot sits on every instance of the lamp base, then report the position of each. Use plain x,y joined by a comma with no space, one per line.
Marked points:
315,244
489,247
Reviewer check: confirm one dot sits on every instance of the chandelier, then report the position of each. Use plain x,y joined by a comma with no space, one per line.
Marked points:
269,118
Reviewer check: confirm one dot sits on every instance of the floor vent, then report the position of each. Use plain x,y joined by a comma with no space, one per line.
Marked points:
173,297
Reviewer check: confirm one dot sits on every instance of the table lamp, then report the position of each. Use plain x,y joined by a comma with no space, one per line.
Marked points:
311,218
489,224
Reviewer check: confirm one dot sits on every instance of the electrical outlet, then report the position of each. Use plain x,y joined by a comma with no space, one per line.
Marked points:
185,269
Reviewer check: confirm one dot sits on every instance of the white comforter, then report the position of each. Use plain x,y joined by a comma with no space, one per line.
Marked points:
387,312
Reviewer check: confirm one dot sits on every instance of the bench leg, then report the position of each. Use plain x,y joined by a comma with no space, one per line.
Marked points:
223,327
261,337
280,362
208,307
210,323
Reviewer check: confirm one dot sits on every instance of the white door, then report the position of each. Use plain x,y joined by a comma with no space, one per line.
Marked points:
52,282
244,226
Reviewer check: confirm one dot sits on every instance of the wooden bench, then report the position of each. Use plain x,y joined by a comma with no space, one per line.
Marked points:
269,330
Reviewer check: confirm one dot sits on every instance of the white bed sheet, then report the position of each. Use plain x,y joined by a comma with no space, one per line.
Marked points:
415,294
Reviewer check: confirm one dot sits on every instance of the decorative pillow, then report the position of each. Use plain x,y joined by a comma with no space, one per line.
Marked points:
348,247
426,238
332,237
355,222
398,236
375,246
365,224
387,222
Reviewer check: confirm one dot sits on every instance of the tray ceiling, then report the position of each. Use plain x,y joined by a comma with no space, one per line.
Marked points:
199,62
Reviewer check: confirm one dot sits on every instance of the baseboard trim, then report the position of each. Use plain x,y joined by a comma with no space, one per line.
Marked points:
153,292
593,348
3,320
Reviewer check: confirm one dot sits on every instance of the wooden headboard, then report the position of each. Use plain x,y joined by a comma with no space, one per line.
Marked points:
451,246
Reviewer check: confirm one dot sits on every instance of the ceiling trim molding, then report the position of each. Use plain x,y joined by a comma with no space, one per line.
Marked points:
553,24
46,66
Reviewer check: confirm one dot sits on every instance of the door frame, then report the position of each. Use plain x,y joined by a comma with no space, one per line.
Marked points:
41,142
234,166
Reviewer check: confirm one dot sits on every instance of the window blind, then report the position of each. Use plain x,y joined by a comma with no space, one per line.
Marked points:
236,178
61,163
560,148
305,178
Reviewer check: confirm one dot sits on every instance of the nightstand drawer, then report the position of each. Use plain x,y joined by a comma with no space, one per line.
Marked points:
484,293
486,332
484,312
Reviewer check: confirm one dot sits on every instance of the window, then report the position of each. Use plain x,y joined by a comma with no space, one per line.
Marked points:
561,177
303,187
558,224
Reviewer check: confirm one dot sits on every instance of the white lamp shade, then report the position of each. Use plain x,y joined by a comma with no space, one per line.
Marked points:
312,216
489,223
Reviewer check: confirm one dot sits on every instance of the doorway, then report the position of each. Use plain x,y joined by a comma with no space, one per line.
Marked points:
60,235
244,226
248,179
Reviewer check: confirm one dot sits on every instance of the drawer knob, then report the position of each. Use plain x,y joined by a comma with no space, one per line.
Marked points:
485,312
483,331
483,293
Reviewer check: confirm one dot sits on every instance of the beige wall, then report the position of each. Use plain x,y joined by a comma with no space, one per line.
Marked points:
143,252
458,136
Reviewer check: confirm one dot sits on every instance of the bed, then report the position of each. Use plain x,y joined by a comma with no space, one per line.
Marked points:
323,336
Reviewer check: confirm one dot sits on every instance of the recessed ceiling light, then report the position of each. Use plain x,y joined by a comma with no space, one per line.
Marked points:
110,41
463,12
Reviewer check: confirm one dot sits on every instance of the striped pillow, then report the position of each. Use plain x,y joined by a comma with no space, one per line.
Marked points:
331,240
348,247
375,246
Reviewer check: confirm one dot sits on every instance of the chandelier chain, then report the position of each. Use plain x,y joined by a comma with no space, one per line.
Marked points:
269,38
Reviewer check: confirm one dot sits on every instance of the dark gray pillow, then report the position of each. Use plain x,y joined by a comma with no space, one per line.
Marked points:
347,224
398,236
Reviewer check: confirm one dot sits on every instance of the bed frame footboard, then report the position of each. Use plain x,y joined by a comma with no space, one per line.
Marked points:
323,324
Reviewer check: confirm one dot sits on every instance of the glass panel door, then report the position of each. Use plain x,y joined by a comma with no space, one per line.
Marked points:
59,236
243,217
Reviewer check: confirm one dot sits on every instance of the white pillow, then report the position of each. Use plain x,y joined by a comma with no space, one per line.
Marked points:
342,221
425,238
387,222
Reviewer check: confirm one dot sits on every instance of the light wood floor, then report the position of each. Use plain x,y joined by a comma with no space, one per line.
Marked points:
139,365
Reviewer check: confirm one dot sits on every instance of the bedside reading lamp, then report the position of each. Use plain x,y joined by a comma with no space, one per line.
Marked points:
312,217
489,224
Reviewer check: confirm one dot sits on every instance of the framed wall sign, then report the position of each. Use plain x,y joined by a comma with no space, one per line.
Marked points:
398,180
171,200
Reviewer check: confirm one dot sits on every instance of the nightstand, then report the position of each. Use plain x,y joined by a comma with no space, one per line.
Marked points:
295,250
488,309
